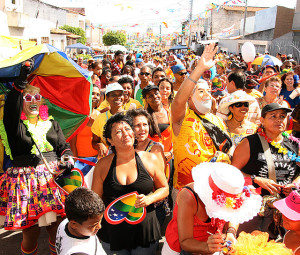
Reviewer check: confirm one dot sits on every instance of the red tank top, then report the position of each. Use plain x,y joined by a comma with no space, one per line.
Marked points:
200,228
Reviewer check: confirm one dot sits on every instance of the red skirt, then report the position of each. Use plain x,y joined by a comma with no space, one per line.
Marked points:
28,193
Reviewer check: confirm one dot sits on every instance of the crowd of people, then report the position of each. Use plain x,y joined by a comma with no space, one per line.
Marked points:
210,140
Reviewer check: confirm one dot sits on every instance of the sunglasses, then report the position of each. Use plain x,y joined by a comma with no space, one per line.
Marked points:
147,74
252,77
181,74
29,98
240,104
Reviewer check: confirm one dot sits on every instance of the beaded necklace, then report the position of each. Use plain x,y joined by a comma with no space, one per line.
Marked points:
278,146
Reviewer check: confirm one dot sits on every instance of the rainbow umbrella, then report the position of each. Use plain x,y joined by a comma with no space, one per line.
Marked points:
267,60
64,84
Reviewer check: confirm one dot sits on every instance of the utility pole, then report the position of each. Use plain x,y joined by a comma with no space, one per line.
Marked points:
190,21
245,17
159,35
211,17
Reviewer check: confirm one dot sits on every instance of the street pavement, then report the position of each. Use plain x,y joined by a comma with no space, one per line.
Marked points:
10,242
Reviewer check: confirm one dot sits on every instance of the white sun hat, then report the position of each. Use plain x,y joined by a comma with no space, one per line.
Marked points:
235,97
221,188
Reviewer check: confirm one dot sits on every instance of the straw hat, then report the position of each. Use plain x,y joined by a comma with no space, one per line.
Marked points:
221,188
235,97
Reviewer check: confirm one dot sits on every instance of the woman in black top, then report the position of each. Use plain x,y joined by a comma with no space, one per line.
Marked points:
250,158
29,197
120,173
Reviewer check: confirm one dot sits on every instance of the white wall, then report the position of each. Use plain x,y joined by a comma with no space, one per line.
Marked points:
3,27
265,19
250,23
56,41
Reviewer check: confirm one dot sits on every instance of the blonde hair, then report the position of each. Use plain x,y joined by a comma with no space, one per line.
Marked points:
31,89
273,79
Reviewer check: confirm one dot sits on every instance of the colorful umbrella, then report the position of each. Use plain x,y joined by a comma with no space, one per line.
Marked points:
267,60
65,85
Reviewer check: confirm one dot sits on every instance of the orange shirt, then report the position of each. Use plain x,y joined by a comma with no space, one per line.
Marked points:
84,143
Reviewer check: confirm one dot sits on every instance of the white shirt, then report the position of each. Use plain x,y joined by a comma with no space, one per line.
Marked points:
68,244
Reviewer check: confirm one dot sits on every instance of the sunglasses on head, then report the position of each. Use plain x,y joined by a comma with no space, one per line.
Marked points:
240,104
29,98
181,74
144,73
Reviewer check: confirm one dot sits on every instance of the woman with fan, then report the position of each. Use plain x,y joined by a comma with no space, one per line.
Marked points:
120,174
29,198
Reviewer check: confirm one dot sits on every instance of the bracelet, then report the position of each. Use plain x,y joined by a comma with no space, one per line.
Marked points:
231,230
191,79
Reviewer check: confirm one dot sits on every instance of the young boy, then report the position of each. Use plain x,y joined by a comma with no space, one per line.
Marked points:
77,234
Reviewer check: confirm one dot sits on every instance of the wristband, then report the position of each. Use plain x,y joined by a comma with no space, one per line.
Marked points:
231,230
191,79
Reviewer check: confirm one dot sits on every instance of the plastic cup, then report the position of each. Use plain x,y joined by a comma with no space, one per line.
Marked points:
295,93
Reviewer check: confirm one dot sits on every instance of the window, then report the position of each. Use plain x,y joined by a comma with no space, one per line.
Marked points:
45,40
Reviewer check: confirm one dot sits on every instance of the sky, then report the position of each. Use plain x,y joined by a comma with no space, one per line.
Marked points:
138,15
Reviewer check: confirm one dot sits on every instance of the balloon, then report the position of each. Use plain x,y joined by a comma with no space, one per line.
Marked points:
248,52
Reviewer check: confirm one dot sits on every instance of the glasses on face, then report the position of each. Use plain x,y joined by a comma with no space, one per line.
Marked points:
240,104
29,98
250,77
183,73
145,73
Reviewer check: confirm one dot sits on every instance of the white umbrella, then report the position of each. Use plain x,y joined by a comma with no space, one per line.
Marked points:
117,47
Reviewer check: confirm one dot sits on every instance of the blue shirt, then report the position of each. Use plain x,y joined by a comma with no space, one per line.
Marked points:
286,97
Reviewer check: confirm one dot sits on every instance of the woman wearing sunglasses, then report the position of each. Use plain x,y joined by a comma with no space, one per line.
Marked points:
269,158
236,106
29,197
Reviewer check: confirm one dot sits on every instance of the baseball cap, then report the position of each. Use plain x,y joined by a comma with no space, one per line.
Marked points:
139,55
269,66
290,206
177,68
273,107
147,89
138,60
112,87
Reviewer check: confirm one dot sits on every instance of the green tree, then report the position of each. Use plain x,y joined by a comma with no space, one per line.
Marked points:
77,31
114,37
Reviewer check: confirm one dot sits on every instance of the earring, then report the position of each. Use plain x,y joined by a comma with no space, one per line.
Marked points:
23,116
43,112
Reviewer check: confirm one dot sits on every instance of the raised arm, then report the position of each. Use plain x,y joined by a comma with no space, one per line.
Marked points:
179,103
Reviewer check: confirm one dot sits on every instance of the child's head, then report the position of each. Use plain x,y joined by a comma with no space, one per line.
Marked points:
84,210
290,209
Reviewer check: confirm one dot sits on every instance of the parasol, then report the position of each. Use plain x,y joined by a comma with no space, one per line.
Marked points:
267,60
65,85
117,47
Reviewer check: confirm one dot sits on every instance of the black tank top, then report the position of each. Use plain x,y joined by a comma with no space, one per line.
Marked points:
124,235
286,170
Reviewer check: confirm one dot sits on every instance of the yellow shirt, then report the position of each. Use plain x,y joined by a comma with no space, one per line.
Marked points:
132,101
105,104
192,146
98,125
255,93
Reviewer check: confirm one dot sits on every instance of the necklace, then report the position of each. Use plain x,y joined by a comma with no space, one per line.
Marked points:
278,146
240,126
